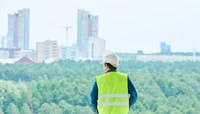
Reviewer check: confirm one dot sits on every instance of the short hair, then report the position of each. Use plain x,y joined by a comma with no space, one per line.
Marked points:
111,67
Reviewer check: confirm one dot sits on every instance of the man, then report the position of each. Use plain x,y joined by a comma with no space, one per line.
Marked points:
113,92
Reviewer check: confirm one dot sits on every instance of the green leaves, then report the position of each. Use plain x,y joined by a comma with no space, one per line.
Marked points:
64,87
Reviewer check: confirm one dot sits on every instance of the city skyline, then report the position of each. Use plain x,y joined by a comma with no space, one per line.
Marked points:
127,26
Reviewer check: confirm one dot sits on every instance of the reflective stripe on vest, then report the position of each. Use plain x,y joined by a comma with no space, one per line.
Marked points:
113,104
114,96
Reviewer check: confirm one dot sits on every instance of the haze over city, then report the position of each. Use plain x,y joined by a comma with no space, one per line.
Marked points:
126,25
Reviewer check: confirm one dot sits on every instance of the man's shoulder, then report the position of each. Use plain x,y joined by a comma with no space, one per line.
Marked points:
122,74
99,76
118,73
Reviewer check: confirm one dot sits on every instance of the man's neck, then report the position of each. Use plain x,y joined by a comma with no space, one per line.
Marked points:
110,70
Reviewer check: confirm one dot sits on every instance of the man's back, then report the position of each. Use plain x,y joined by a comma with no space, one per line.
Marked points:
113,97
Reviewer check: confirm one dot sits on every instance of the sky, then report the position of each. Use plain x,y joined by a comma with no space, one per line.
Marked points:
126,25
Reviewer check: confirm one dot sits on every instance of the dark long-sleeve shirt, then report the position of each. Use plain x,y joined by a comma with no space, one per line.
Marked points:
94,95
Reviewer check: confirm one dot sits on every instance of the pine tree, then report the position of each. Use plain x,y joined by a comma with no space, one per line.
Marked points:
25,109
12,109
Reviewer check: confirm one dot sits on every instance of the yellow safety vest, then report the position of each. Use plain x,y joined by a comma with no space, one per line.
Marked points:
113,97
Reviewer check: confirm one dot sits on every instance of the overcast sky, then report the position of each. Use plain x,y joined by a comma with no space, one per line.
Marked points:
126,25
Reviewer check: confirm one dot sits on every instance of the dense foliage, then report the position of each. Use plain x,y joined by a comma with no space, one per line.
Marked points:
63,87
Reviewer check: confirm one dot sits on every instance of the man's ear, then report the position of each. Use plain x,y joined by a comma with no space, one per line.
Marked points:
105,65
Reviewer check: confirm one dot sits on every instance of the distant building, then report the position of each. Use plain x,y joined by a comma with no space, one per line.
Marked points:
62,52
3,42
18,30
46,50
27,53
96,48
165,48
166,58
4,54
87,27
9,53
25,60
140,52
68,52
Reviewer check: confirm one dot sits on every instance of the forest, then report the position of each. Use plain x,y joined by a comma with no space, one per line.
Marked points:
64,87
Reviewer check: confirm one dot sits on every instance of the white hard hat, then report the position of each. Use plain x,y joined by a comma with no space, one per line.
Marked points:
112,59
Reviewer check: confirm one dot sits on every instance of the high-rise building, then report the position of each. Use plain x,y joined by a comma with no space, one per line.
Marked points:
11,29
87,27
165,48
96,48
46,50
18,30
